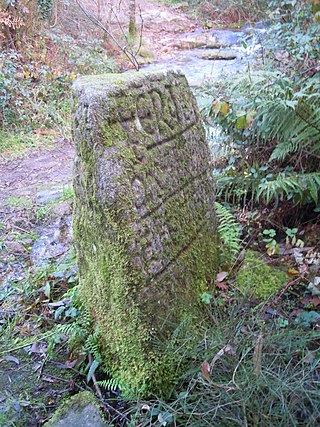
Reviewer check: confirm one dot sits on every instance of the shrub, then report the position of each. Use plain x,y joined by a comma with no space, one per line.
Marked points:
34,85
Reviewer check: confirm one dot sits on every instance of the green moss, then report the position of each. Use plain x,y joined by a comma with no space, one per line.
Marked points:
145,53
21,383
256,277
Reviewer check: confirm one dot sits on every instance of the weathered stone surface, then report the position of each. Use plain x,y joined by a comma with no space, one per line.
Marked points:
202,40
81,410
220,54
144,221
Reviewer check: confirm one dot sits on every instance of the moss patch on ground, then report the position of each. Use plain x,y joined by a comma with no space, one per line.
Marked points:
256,277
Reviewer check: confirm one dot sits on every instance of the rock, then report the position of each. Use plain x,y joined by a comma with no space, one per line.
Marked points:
229,38
219,54
202,40
82,410
145,56
144,221
53,242
49,195
14,247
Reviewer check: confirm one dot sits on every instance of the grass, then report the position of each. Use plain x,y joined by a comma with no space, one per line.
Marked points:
243,374
67,194
16,144
19,202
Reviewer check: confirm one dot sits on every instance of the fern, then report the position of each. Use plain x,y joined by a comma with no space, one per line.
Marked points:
111,384
277,156
300,187
229,231
10,21
84,338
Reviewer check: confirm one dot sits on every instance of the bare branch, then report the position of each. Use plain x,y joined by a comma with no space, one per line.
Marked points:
128,51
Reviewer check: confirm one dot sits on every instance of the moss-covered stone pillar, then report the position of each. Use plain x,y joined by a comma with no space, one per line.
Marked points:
144,221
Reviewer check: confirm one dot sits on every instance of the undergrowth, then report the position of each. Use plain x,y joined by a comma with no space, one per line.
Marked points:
227,12
35,85
270,122
243,374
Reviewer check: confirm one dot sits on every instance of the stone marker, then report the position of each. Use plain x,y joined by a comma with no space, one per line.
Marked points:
144,221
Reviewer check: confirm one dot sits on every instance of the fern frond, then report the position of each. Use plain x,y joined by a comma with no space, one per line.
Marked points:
229,231
10,21
301,187
235,188
111,384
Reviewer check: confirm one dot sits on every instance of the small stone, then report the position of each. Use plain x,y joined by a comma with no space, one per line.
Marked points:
220,54
14,247
81,410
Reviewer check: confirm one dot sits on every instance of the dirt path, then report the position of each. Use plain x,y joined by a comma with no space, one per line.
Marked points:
37,175
163,25
41,174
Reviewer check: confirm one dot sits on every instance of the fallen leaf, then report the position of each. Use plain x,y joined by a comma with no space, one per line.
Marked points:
205,368
257,353
46,132
56,304
222,286
10,359
315,301
226,349
38,349
221,276
293,272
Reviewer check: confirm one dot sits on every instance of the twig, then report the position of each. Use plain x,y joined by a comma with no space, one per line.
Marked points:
42,366
19,228
288,285
94,380
129,54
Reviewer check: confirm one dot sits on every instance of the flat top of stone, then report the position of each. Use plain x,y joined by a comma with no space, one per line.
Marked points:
98,84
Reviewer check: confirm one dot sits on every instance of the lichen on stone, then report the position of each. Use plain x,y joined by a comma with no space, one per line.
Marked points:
255,277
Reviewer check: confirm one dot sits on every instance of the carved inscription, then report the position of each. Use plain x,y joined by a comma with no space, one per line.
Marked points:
151,165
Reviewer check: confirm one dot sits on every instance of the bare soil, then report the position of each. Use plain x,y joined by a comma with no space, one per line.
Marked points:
37,173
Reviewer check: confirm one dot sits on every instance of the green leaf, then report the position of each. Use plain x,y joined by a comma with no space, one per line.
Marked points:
241,123
206,298
92,370
224,109
47,290
58,312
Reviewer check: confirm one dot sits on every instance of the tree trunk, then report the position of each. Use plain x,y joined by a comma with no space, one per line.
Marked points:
132,19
